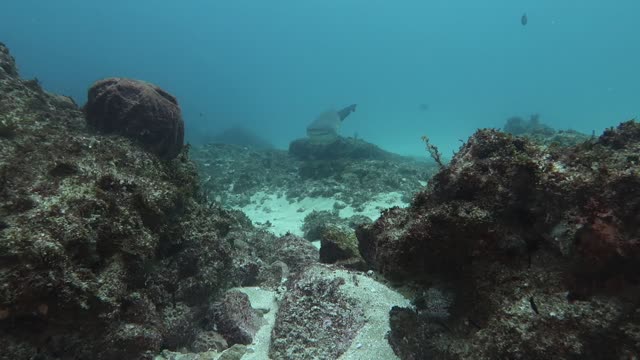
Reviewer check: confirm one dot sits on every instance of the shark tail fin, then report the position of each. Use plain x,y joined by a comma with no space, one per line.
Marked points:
346,111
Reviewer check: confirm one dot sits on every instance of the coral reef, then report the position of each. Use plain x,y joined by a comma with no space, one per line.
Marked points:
138,110
231,174
519,248
104,251
541,133
516,125
528,236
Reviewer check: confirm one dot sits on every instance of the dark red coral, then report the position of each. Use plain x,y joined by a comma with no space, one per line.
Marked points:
138,110
599,242
606,253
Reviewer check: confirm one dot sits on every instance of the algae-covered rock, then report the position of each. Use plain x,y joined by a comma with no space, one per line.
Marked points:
339,245
539,245
104,251
317,222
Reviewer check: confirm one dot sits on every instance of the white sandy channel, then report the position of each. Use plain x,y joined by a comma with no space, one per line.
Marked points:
373,297
285,216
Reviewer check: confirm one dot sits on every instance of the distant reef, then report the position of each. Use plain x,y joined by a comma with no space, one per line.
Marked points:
350,170
340,148
240,136
539,132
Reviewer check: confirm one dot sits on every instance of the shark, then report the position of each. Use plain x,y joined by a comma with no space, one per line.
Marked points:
325,127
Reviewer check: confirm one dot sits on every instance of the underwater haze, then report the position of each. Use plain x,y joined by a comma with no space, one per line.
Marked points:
439,68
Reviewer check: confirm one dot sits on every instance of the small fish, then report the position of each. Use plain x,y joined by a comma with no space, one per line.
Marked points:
534,307
524,20
424,107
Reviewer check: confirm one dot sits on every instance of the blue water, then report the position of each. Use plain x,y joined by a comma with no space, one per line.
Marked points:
272,66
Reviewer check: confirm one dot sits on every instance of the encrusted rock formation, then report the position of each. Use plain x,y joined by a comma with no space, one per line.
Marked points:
540,245
104,251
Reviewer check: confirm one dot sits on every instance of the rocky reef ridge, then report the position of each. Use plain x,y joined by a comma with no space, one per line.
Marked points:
105,252
536,248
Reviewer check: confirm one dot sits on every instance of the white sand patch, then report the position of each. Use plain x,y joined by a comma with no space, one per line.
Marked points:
377,300
264,301
285,216
378,203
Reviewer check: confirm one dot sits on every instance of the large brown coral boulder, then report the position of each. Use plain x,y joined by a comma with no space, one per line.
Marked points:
138,110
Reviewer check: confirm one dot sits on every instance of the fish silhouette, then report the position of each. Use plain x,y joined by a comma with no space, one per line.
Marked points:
524,20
